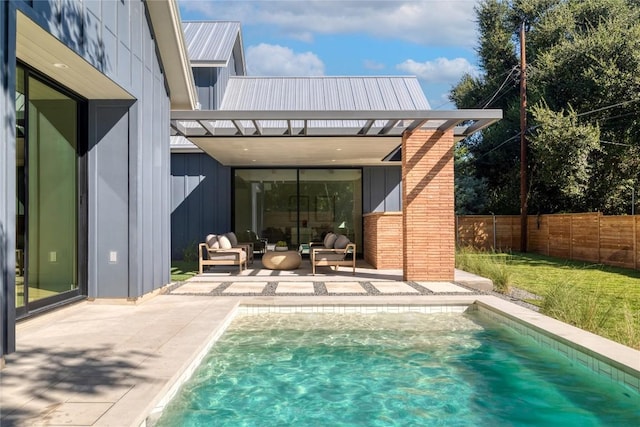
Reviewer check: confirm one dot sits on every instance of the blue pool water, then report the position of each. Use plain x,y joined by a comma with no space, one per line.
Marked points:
405,369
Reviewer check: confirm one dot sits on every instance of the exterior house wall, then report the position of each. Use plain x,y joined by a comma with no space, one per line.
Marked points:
128,161
128,158
200,200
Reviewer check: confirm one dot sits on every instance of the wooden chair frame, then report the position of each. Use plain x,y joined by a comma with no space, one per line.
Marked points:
350,249
204,251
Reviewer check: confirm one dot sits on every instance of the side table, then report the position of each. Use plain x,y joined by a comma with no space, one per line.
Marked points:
281,260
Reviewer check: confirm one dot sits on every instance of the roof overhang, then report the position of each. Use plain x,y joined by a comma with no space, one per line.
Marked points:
357,138
212,123
238,55
165,19
44,52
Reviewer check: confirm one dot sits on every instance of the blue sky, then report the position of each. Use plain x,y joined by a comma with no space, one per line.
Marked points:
434,40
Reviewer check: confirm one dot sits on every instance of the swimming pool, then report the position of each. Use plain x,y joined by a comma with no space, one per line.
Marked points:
392,369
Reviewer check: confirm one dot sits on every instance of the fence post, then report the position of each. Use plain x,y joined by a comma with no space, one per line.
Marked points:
635,242
457,232
599,244
571,236
494,231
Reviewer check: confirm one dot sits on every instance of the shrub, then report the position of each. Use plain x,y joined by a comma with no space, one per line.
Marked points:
591,311
577,307
492,265
627,331
190,252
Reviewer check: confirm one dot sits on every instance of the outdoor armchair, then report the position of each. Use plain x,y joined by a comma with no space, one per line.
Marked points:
233,240
211,253
336,251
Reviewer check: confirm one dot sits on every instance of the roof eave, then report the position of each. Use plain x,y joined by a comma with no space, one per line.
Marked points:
173,51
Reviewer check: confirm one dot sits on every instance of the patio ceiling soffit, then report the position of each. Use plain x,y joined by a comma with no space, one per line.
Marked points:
212,123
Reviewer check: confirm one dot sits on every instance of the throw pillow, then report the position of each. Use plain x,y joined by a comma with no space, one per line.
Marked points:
232,238
330,240
341,242
224,242
212,241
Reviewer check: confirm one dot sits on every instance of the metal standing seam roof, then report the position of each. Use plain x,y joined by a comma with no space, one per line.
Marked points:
324,93
325,106
210,43
371,93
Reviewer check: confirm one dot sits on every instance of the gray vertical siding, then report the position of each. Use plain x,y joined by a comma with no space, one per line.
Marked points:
7,179
129,162
382,189
108,198
200,200
210,84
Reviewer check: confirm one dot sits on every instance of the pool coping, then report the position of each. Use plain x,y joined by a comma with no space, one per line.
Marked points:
603,356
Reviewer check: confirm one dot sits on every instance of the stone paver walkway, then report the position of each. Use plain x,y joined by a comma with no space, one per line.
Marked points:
241,288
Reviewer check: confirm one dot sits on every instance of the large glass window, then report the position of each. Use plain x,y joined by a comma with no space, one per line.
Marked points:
299,205
333,202
46,192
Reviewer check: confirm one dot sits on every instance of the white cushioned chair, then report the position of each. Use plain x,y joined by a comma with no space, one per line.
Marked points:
337,251
246,246
217,250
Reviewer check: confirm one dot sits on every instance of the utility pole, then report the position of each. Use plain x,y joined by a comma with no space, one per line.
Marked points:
523,141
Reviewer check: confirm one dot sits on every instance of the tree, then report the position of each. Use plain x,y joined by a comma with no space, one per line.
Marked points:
561,147
470,191
584,89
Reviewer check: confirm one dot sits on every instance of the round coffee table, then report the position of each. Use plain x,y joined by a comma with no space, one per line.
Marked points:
281,260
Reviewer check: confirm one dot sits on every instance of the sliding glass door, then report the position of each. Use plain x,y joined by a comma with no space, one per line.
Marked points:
298,205
332,202
46,193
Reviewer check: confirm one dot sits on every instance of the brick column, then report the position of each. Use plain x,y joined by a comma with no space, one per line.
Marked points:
428,206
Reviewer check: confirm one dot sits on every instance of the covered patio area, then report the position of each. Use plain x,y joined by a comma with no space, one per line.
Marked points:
421,243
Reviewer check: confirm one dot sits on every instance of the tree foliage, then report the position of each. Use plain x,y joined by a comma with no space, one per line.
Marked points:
583,81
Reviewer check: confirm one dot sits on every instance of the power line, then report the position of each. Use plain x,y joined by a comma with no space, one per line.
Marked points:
491,80
500,88
608,107
516,136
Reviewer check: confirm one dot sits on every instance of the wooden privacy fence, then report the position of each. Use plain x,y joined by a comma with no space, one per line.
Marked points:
591,237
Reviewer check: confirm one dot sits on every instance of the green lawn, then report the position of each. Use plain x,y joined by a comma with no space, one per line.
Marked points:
538,274
182,270
599,298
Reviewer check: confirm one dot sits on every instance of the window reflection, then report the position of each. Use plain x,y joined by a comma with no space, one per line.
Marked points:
46,191
299,205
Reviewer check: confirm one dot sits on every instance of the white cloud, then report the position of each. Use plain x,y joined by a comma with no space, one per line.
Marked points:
427,22
440,70
274,60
